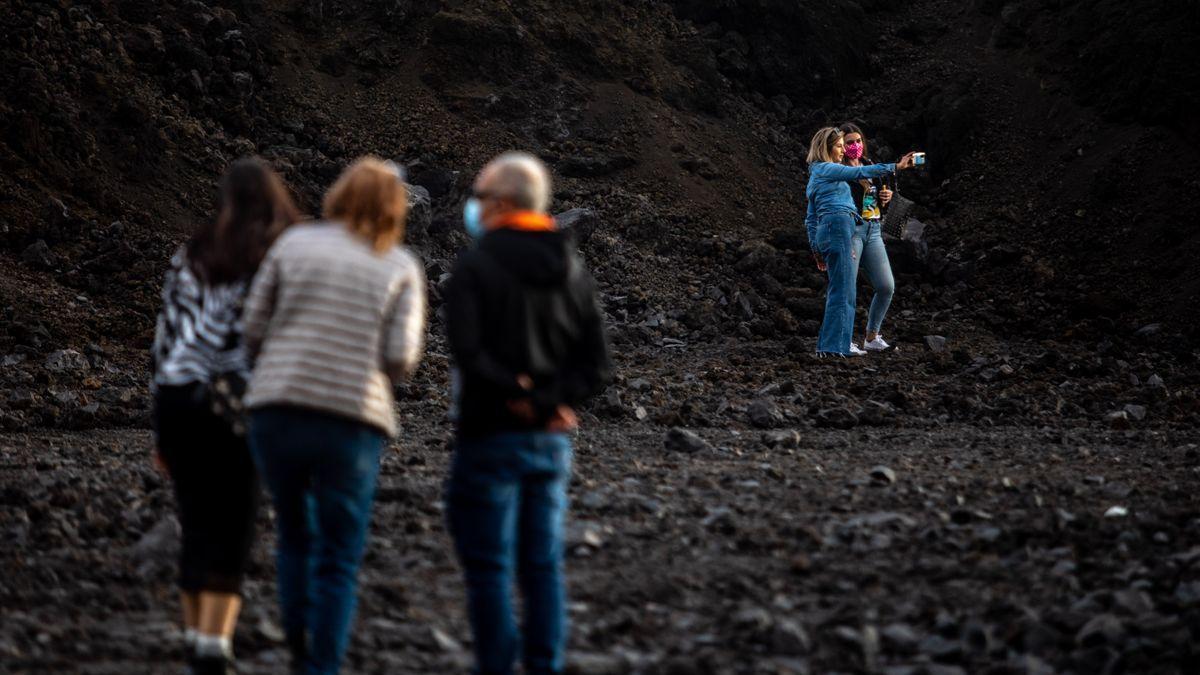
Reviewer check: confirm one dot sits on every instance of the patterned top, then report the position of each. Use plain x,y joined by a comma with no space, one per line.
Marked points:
332,324
199,331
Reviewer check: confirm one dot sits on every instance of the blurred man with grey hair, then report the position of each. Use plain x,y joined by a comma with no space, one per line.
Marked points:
527,337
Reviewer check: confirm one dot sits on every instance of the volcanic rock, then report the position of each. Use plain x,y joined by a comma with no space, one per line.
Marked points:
39,256
580,223
66,361
789,637
837,418
786,438
157,547
1133,601
941,649
420,213
882,475
764,414
685,441
1136,412
1102,629
900,638
876,413
583,663
1118,419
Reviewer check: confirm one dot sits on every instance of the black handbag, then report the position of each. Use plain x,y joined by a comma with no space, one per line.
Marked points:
225,394
895,219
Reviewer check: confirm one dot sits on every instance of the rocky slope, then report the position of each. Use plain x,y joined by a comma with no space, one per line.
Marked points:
680,127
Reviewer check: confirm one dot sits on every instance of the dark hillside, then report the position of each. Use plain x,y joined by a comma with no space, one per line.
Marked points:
681,126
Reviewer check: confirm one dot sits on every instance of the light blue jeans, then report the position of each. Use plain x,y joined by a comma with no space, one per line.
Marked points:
871,254
836,244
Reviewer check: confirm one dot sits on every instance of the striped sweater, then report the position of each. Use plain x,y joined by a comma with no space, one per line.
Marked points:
198,335
331,324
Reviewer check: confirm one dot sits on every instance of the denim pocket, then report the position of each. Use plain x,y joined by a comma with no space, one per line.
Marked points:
834,233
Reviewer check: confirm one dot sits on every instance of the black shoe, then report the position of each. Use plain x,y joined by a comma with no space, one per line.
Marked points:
211,665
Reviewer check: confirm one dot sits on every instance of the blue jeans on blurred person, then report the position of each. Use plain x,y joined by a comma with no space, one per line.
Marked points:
321,471
871,255
835,242
506,499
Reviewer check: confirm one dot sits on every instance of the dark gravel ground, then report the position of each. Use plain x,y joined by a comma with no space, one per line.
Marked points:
974,550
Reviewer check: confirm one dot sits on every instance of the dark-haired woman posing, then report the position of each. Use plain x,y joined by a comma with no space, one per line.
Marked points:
200,366
871,197
831,222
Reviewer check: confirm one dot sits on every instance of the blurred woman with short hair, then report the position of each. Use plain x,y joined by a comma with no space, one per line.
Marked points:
336,315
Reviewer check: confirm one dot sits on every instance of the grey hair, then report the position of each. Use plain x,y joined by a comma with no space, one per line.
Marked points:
521,178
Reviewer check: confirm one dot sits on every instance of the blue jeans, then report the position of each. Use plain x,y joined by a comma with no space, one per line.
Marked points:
507,498
871,255
321,473
835,243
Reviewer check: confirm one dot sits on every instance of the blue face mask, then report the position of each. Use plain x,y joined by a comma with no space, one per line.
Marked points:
473,218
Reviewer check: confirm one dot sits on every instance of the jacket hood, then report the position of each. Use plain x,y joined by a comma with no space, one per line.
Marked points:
539,258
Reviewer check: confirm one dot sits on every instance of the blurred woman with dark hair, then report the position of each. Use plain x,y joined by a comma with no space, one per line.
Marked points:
871,197
335,317
200,367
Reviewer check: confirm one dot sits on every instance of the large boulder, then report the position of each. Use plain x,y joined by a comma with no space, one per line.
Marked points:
420,213
580,224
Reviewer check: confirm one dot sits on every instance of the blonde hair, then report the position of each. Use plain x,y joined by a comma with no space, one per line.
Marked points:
371,200
820,149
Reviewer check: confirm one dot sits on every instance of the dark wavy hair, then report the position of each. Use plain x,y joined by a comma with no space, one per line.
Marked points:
253,208
852,128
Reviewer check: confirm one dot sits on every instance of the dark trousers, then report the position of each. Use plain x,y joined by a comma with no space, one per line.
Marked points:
216,489
321,473
507,497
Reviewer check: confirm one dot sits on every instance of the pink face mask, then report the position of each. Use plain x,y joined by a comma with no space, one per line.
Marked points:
854,150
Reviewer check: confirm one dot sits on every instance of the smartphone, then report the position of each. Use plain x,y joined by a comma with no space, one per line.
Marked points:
918,158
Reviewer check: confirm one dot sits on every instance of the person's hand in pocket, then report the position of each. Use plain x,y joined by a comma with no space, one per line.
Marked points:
563,419
160,464
522,409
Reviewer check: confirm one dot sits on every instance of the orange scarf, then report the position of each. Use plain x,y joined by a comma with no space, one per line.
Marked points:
524,221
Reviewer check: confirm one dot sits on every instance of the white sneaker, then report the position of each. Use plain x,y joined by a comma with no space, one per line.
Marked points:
856,351
876,345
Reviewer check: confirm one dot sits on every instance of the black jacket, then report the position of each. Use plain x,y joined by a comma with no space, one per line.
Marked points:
522,302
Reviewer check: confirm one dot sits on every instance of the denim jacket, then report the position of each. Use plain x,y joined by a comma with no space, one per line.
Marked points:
828,191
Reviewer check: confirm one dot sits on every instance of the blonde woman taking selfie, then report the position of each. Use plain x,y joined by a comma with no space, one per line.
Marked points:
831,221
